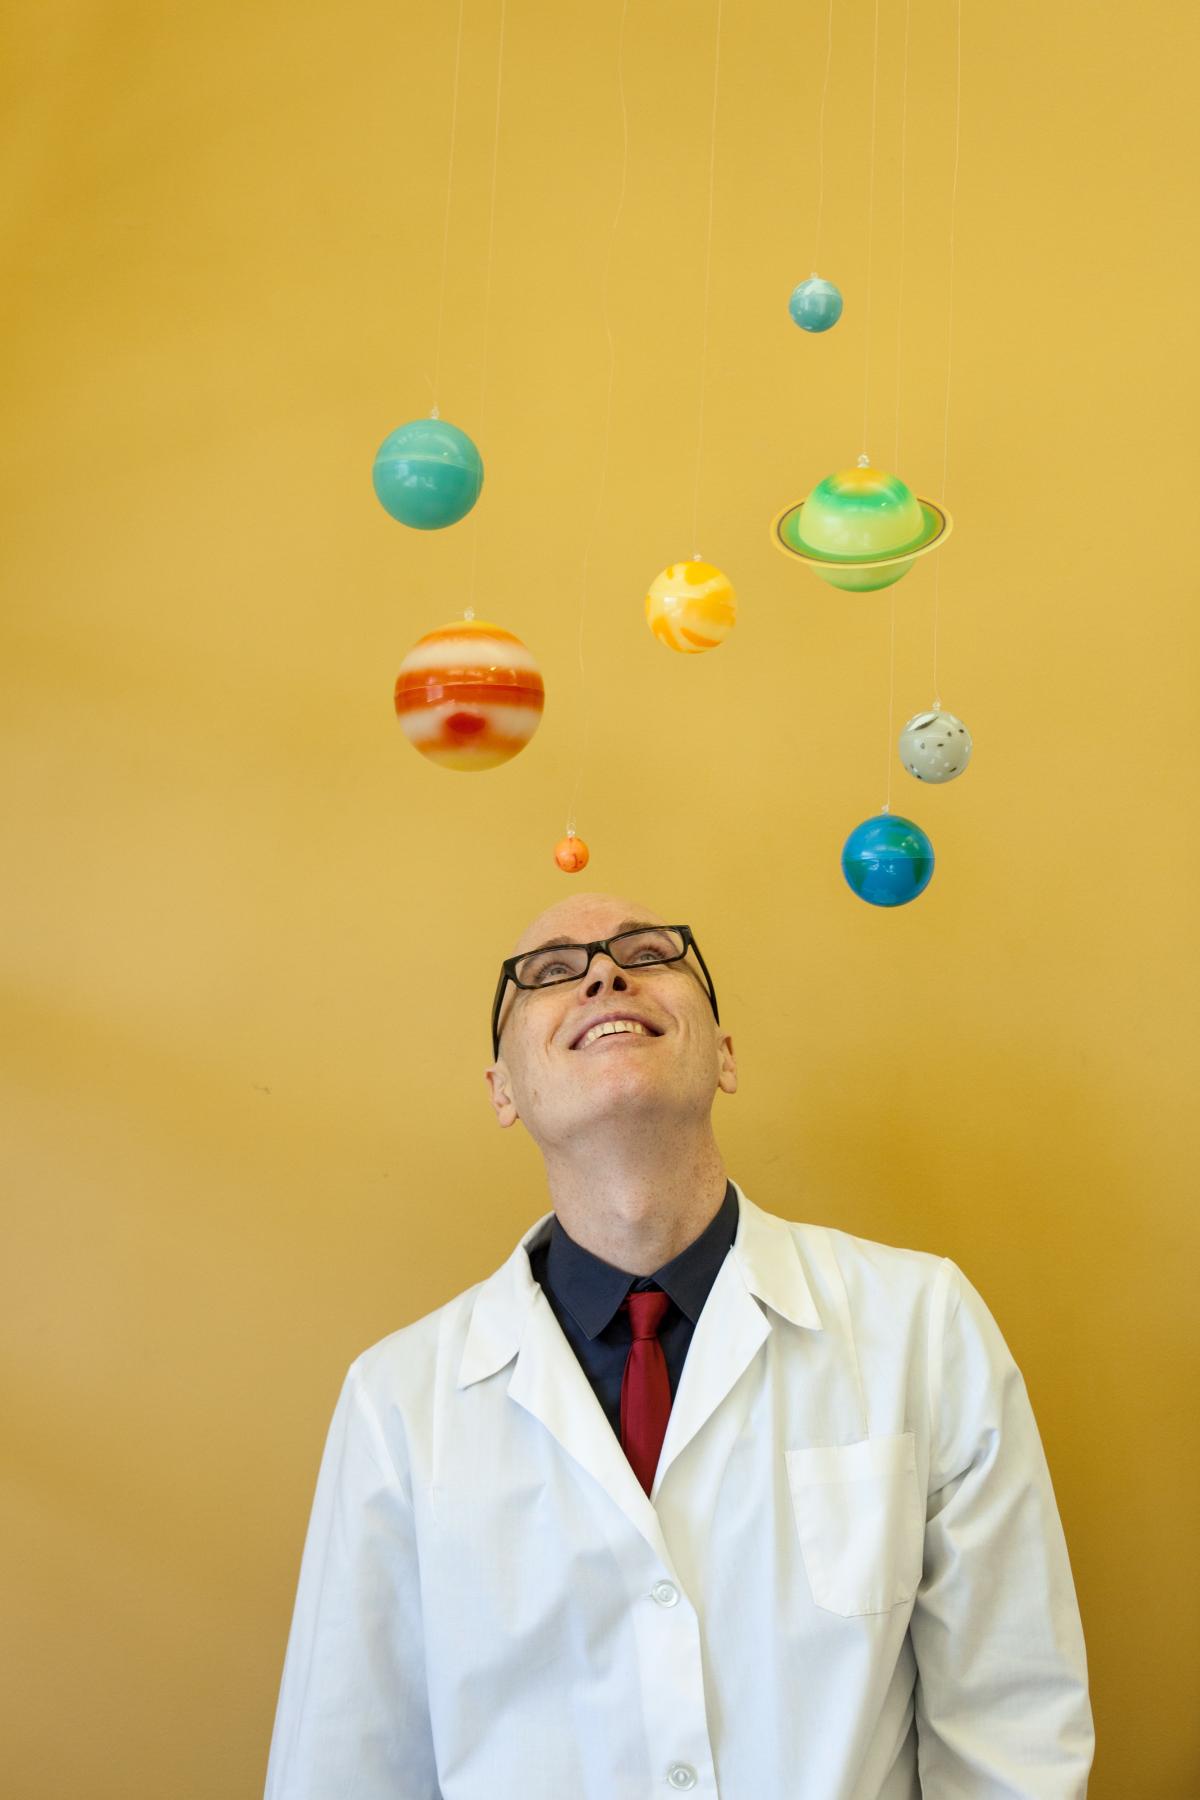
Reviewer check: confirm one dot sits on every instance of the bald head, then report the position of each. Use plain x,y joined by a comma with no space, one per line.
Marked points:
556,1070
585,919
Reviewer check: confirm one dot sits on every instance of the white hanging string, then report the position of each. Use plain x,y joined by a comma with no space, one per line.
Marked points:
887,805
900,285
870,231
437,364
612,365
937,703
821,139
899,340
712,166
487,292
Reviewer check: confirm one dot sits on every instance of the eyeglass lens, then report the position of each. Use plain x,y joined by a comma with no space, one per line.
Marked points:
567,962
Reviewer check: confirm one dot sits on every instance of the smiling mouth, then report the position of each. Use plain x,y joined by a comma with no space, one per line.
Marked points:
614,1028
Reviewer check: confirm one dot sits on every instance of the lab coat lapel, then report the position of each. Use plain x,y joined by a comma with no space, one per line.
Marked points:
512,1316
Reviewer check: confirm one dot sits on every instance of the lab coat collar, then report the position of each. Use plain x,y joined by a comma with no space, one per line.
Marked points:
763,1250
511,1316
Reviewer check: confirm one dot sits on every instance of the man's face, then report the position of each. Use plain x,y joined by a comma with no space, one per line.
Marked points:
556,1078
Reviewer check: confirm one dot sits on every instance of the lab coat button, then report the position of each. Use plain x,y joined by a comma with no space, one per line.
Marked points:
681,1775
665,1593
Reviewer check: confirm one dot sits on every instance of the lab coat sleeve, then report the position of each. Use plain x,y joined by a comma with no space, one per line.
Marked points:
353,1711
1001,1695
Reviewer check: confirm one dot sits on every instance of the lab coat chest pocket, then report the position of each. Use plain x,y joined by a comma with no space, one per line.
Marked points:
861,1522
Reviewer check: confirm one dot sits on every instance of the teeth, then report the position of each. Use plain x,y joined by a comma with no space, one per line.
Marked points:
609,1027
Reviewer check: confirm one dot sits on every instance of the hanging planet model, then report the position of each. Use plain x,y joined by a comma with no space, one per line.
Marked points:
691,607
428,474
469,696
887,860
815,305
571,854
860,529
935,746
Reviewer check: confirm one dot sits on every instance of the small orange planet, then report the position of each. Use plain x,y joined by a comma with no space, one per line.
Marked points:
571,854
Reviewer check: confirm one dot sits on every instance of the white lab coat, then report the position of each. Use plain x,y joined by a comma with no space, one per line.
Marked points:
849,1581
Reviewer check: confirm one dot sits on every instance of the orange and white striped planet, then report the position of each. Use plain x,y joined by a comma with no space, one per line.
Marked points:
469,695
691,607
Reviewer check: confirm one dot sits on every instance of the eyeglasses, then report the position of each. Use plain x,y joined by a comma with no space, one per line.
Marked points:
645,948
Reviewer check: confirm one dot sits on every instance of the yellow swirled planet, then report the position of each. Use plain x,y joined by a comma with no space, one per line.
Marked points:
860,529
691,607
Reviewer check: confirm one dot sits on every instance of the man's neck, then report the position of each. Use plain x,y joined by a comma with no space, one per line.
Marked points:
638,1212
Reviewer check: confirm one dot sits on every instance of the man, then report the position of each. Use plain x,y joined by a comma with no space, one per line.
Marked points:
684,1497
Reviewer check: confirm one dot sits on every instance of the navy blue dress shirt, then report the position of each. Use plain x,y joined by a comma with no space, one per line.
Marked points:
586,1294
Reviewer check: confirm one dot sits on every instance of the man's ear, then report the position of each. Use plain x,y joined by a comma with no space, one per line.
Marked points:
500,1092
727,1078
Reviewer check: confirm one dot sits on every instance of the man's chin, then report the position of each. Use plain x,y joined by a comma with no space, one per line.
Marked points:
620,1105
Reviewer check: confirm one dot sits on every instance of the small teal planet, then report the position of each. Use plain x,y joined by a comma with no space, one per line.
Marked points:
427,474
887,860
815,305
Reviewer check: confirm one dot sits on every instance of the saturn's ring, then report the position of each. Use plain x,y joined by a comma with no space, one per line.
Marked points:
785,529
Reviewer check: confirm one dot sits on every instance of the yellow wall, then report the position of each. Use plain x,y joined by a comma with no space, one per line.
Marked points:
250,937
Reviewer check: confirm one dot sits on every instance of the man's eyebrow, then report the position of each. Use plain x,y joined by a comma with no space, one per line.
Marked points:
625,925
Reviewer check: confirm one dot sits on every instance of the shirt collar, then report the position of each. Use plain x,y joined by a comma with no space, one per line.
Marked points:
592,1290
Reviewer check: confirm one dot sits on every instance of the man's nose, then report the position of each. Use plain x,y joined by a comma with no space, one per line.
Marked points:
604,973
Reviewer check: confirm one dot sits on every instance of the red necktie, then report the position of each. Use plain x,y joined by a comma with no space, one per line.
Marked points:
645,1387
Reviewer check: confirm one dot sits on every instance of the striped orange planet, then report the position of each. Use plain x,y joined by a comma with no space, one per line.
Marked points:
469,695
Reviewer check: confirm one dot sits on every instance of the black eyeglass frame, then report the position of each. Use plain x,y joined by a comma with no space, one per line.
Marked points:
508,970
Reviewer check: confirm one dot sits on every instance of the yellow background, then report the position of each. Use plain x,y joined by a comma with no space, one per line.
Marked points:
250,937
